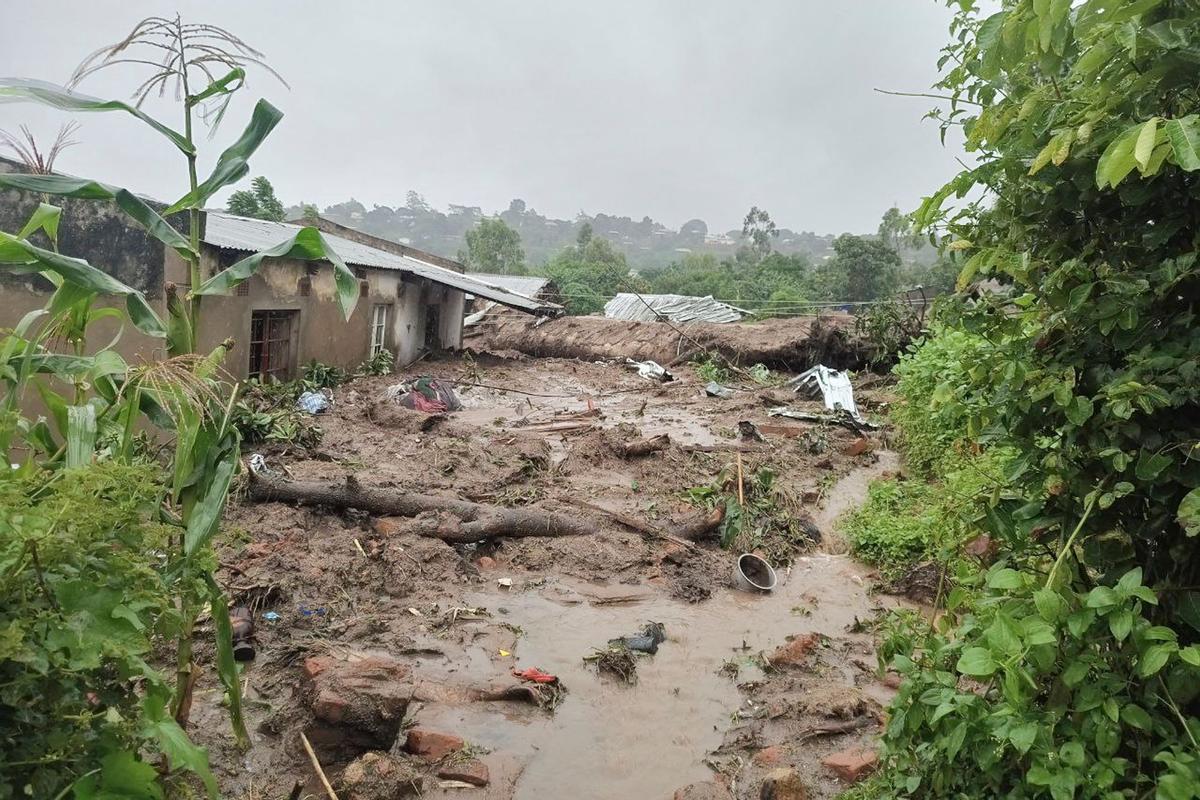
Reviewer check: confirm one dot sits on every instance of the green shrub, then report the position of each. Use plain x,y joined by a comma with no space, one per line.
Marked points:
267,413
379,364
85,600
323,376
712,369
936,398
907,521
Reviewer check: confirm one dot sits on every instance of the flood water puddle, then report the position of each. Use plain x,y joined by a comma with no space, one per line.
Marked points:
608,739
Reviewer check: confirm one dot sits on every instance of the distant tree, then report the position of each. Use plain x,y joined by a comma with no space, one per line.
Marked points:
416,202
589,274
259,201
896,231
759,229
492,246
309,212
860,269
517,206
584,236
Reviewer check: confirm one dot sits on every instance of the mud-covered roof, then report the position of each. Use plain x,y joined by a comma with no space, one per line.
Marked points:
229,232
673,307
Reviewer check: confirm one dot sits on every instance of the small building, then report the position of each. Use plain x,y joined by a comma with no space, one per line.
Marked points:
284,316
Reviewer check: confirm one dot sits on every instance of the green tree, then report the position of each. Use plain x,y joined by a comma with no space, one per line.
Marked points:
896,230
759,228
590,274
493,247
259,201
860,269
1070,669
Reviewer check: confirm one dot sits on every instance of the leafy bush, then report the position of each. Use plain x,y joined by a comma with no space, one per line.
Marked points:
1030,688
1073,672
937,396
85,599
712,370
888,327
323,376
379,364
267,413
908,521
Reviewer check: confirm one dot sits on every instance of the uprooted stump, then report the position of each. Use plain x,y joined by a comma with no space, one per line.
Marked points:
450,519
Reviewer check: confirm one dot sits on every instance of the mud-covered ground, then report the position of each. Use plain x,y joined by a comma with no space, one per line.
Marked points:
411,627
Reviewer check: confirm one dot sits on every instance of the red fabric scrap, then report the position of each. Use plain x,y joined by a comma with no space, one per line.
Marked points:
535,675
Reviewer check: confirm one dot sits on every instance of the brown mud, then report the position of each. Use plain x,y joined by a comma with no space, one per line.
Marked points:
736,690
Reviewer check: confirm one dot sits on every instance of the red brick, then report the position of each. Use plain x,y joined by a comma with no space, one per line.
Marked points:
859,446
431,744
473,772
852,765
330,706
486,563
768,756
315,665
795,652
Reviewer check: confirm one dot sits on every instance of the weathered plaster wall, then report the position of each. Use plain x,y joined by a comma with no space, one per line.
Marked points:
322,333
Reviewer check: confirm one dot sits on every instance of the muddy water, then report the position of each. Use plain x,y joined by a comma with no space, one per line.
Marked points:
610,740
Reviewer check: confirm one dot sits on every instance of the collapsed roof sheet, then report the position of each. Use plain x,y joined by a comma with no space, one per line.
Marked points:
230,232
673,307
528,285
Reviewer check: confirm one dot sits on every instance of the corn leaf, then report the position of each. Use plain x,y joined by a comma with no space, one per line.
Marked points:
45,218
81,435
234,163
18,90
82,189
19,256
226,665
206,514
307,245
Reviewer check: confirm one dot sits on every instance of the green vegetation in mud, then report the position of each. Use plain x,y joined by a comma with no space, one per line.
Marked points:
1069,667
769,521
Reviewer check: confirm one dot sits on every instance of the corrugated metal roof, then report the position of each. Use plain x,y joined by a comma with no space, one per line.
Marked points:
528,285
674,307
230,232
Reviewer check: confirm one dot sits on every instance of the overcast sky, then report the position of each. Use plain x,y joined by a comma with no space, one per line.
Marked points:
675,110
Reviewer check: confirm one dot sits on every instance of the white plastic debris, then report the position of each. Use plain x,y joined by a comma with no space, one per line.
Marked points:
505,582
314,402
650,369
832,384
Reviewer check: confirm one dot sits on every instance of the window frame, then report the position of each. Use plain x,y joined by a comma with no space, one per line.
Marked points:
379,328
272,334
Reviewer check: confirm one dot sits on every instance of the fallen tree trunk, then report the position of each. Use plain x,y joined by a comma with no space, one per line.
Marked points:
447,518
699,527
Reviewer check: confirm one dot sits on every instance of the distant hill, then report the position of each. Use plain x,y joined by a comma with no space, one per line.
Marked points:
645,243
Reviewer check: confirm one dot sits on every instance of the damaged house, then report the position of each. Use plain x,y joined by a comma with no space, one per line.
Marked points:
410,302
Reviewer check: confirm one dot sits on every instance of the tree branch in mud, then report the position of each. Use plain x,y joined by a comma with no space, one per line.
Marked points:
643,447
440,517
